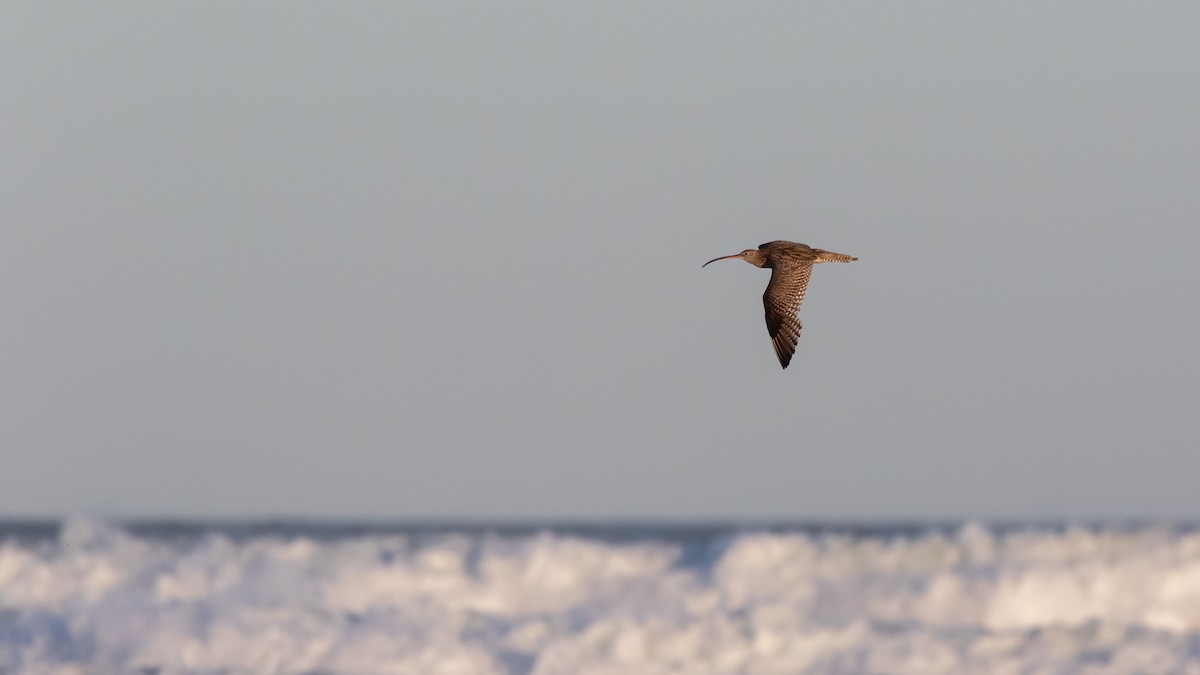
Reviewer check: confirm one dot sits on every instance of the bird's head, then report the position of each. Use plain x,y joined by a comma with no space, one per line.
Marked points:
750,255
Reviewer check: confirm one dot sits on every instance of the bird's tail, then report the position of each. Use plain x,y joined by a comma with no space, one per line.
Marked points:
830,256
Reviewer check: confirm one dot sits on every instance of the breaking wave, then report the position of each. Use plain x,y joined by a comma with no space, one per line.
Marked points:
96,597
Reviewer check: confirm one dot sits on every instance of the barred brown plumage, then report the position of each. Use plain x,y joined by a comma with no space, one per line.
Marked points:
791,266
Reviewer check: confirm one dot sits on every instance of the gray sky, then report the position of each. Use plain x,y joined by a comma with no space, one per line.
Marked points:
410,260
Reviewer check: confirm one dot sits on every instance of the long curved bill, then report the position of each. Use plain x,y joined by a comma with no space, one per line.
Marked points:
724,257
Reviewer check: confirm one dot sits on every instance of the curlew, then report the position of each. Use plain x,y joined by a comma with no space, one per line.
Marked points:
791,265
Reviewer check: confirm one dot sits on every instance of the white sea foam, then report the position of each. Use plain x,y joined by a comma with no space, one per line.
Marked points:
100,600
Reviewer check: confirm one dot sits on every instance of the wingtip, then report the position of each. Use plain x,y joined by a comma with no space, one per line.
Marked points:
785,359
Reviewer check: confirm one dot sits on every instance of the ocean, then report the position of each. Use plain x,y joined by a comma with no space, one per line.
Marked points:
93,596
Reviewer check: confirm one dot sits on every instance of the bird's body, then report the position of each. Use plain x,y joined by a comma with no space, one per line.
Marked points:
791,266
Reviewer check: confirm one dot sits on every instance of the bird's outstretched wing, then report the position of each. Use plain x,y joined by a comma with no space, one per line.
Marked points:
782,302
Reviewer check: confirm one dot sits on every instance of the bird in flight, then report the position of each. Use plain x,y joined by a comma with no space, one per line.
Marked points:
791,265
